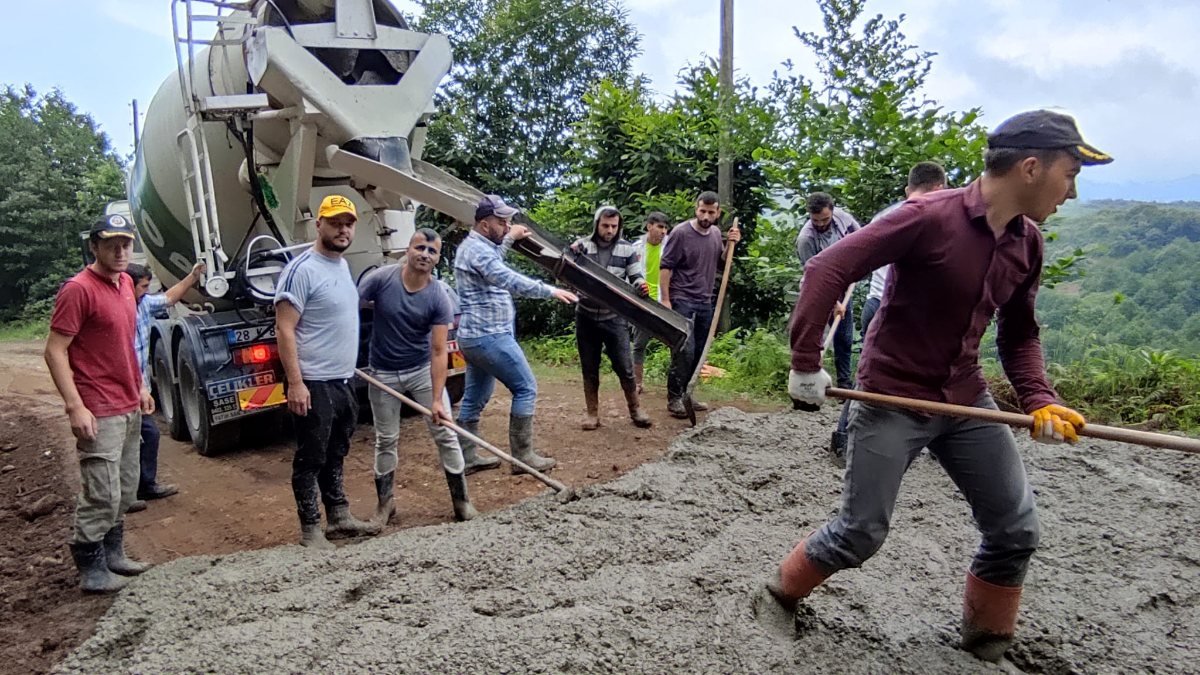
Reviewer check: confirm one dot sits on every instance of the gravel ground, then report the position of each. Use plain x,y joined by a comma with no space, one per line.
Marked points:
657,572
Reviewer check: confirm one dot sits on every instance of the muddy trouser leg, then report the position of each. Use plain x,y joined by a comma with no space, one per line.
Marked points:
882,444
615,333
589,338
641,339
385,410
312,443
102,468
148,452
983,461
345,418
131,462
419,385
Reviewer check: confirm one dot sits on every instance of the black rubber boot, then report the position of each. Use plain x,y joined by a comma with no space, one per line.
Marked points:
94,575
463,509
114,553
312,536
520,444
387,504
339,522
676,409
471,458
639,418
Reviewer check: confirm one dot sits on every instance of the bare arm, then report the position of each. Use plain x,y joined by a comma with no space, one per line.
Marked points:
83,423
286,318
437,369
175,293
664,287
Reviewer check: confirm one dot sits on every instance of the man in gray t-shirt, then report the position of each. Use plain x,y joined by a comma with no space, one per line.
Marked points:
410,329
316,320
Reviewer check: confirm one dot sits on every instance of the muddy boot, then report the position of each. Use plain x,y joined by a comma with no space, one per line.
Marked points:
591,396
471,458
989,618
837,447
639,370
94,575
463,510
520,444
387,504
114,553
311,536
339,522
699,406
796,577
639,418
676,409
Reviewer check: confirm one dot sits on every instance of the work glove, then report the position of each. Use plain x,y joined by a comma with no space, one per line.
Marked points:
808,389
1054,424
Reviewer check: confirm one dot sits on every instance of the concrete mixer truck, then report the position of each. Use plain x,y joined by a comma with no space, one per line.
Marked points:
287,102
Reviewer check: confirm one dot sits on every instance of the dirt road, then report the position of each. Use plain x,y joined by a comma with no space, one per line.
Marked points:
242,501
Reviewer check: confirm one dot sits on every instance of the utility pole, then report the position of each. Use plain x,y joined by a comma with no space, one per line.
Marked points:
725,156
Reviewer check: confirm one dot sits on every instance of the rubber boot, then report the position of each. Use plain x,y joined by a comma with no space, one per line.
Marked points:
463,509
639,418
387,504
989,618
520,444
471,458
796,577
699,406
339,522
94,575
638,371
114,553
676,409
312,536
591,397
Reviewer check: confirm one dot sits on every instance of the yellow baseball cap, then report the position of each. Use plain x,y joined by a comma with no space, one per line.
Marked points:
336,204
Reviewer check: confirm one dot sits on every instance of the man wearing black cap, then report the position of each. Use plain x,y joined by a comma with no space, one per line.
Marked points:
958,257
486,287
91,359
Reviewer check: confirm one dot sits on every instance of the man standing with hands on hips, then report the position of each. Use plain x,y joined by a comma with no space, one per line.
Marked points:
958,257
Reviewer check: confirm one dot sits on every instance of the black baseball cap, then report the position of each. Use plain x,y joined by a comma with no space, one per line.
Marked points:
1048,130
113,226
492,205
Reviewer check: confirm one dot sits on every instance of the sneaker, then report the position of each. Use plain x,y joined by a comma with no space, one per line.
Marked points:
157,491
139,505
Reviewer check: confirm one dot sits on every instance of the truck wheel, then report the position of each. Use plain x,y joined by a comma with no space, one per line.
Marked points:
210,439
168,392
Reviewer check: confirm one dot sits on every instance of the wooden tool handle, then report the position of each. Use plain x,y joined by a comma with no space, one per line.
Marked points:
1118,434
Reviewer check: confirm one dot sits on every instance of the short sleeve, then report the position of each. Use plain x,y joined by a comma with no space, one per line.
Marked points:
368,288
154,303
70,309
294,286
443,309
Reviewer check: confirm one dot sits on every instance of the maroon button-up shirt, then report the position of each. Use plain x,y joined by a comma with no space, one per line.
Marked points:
950,276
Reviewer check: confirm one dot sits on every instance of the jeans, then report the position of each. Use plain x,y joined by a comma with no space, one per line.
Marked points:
108,472
322,443
149,453
869,309
843,347
385,408
490,358
641,339
685,360
593,336
980,457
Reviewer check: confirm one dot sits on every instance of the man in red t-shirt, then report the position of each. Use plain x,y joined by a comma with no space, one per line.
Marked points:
91,358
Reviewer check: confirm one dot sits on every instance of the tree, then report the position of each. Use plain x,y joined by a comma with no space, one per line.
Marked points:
521,70
57,170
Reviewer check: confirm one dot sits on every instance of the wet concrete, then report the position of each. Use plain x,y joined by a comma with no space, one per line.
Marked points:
657,572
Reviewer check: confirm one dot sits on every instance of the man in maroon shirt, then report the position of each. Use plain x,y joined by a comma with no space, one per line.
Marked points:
959,257
91,358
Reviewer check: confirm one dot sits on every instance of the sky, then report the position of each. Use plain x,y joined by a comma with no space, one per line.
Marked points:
1129,72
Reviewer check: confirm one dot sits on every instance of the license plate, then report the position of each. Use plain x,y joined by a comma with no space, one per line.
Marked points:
241,336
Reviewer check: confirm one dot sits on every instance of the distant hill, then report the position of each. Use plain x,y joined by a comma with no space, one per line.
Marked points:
1185,189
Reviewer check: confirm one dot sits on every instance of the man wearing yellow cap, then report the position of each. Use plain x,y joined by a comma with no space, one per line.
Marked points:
316,318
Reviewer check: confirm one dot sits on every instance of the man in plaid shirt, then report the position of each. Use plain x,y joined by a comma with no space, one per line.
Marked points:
486,287
149,304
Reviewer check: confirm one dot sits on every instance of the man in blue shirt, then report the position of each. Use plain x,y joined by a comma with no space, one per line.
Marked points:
148,305
410,328
486,287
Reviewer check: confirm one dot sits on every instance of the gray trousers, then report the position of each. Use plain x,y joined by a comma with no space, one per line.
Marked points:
980,457
108,472
417,384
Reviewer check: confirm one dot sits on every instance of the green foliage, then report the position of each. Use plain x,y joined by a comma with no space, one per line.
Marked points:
56,173
859,130
521,69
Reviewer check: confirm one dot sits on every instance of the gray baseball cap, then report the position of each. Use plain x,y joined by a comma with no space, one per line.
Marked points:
492,205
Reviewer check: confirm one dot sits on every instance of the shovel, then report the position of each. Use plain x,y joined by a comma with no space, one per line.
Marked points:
712,331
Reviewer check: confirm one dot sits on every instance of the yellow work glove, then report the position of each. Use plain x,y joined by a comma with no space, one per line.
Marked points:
1056,424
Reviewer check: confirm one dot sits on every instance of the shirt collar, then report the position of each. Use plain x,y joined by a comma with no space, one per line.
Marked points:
976,209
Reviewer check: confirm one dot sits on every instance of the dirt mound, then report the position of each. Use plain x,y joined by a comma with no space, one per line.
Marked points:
656,572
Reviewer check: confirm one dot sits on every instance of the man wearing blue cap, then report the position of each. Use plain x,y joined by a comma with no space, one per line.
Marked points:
486,287
959,257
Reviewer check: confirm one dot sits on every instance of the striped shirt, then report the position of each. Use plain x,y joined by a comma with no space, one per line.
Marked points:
147,307
624,262
486,287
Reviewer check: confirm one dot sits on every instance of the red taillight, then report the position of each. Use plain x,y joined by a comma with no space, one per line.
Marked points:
253,354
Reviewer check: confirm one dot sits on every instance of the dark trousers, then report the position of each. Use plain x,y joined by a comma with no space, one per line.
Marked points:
843,348
149,453
322,443
869,310
611,336
685,360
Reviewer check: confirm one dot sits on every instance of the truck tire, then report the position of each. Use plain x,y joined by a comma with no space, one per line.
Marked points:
168,392
210,439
